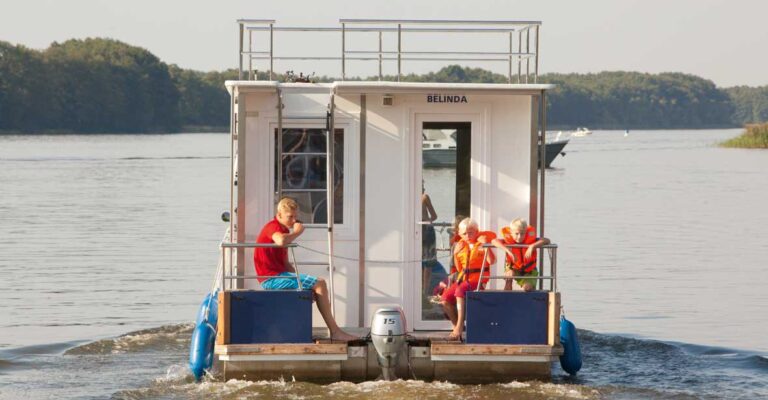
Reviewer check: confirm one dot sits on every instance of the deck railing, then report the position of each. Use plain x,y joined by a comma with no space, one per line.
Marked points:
548,249
544,264
546,257
520,40
227,273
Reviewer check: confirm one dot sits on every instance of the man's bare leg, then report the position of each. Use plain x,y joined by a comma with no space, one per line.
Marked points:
324,305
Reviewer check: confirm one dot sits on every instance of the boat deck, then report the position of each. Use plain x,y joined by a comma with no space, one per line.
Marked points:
429,356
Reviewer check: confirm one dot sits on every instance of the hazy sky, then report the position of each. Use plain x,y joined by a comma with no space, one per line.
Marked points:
724,41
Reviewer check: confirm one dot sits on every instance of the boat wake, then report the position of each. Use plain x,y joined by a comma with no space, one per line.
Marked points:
378,390
168,338
151,363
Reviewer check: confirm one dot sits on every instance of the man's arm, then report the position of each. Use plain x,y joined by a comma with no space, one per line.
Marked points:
281,239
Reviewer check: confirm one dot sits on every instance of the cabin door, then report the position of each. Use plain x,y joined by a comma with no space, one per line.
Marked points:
443,187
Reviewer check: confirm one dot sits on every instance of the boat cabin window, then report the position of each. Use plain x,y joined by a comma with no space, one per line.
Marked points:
304,173
446,156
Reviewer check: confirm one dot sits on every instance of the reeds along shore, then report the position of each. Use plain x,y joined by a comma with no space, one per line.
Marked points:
755,136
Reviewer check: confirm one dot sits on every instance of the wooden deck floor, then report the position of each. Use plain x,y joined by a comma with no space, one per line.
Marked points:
320,335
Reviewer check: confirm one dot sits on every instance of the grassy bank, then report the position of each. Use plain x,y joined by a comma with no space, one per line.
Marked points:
754,137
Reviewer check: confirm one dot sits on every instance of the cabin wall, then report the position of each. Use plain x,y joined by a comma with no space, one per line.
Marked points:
501,137
511,156
257,182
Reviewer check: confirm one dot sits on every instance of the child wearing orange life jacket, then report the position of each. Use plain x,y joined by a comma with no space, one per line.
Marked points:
520,262
471,261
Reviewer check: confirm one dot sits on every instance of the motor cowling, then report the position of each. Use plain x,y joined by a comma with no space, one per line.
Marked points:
388,334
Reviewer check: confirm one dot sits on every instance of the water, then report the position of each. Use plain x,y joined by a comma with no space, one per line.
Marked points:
108,244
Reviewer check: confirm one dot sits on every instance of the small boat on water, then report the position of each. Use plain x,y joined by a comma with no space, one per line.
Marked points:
581,132
439,149
352,154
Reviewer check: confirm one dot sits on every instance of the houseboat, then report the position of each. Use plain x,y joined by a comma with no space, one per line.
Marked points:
352,154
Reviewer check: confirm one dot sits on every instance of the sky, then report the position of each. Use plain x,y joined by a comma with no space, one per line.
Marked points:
723,41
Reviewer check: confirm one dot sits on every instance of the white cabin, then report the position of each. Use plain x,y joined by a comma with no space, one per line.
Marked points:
377,210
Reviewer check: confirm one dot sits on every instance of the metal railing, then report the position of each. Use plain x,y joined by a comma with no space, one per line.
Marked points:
525,34
227,275
549,249
228,266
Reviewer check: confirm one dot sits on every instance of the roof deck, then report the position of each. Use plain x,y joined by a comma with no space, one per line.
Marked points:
389,44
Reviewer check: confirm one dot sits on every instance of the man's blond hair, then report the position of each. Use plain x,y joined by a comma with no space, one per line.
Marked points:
287,204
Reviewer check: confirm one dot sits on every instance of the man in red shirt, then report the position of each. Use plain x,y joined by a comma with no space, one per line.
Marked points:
273,261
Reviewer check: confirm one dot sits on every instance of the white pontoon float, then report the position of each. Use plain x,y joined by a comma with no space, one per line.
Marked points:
369,243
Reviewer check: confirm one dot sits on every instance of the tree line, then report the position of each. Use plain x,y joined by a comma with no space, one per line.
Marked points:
103,85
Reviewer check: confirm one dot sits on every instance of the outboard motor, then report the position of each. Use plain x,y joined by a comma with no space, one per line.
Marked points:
388,335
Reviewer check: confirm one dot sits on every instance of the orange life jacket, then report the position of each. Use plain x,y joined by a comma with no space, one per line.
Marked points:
474,256
521,263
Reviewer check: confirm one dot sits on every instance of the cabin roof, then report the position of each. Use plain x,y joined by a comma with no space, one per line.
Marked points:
391,87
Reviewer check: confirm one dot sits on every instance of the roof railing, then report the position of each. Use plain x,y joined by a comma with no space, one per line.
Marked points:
520,40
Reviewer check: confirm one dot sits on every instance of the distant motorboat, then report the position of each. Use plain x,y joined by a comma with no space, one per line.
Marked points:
581,131
553,149
439,148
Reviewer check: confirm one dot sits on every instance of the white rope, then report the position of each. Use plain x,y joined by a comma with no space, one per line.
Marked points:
217,276
372,260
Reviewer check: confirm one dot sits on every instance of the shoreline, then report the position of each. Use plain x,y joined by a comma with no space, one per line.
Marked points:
754,136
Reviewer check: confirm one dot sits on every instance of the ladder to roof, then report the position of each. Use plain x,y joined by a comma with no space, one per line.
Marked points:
328,117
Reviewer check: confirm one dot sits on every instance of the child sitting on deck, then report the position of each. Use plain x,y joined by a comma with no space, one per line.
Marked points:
520,261
469,259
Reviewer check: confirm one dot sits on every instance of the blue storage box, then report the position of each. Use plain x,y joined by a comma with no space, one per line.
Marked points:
507,317
270,316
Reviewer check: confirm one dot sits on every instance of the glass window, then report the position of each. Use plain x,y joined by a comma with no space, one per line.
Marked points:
304,173
445,196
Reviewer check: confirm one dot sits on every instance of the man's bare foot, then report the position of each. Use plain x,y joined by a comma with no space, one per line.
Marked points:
454,336
342,336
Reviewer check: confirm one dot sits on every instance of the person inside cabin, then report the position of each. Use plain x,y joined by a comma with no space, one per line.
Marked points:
520,262
428,240
273,261
470,259
453,238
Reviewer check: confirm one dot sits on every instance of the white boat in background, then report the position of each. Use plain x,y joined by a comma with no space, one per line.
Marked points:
581,131
438,148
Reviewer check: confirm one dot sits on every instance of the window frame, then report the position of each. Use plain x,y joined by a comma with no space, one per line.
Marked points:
346,229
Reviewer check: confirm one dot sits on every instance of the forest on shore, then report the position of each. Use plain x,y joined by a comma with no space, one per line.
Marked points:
106,86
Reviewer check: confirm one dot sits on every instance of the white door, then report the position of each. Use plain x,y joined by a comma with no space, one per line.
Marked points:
445,184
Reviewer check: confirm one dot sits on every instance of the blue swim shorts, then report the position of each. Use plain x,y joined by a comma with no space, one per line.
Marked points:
289,282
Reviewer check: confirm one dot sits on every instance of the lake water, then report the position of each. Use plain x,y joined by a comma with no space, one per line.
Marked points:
109,242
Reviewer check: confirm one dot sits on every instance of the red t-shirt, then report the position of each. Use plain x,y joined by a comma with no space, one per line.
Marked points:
270,260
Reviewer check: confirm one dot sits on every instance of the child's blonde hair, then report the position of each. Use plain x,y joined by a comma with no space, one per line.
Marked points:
518,224
466,223
287,204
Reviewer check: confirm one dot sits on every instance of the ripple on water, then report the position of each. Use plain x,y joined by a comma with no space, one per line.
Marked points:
166,337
